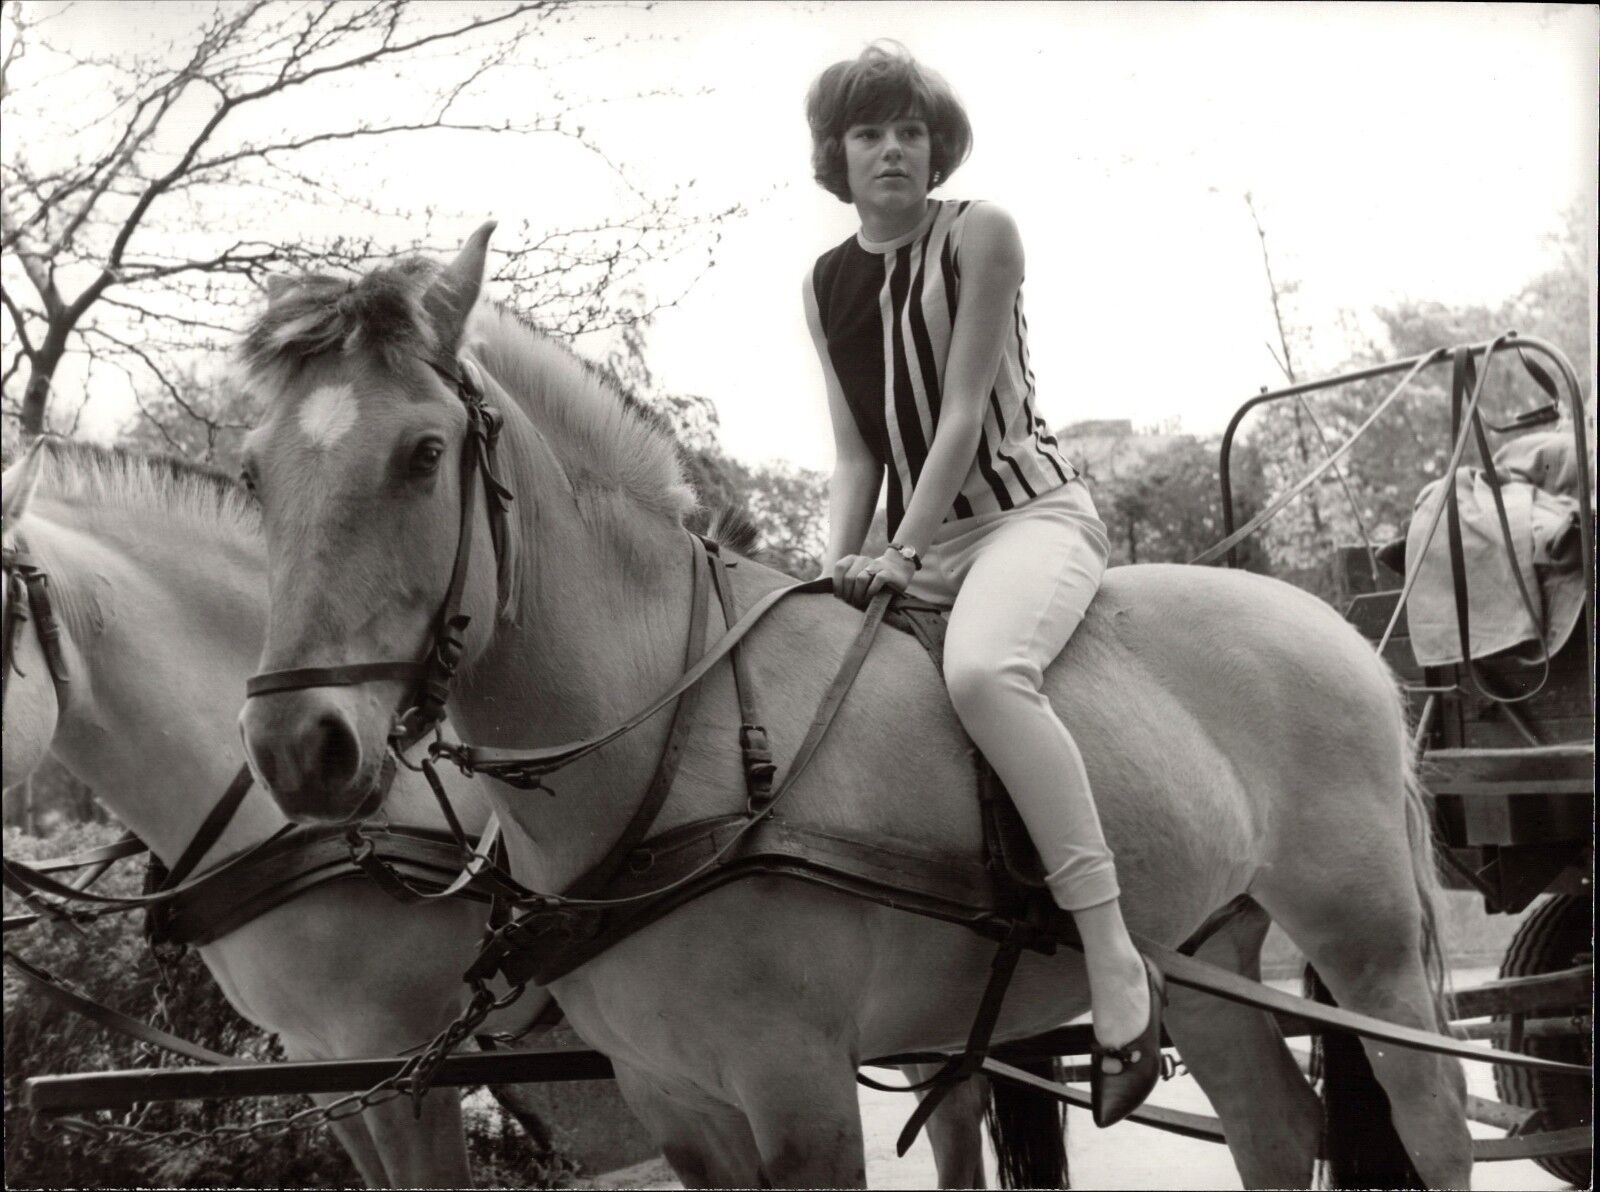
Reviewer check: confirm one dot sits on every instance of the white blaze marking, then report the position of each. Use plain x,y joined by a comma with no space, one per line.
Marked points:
328,414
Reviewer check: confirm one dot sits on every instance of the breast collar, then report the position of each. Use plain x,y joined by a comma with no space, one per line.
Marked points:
28,599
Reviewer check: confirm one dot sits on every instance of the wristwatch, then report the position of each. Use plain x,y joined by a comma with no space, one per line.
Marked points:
909,554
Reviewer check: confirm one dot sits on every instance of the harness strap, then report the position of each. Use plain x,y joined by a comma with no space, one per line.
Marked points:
430,677
959,1068
593,882
127,845
1208,978
28,598
26,882
329,676
521,766
555,913
45,624
210,829
364,853
42,983
754,746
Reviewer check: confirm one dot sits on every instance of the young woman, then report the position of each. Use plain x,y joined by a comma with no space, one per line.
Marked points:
918,323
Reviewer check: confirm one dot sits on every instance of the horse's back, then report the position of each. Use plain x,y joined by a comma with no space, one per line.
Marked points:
1218,709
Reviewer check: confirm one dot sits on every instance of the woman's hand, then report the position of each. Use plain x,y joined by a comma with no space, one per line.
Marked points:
858,578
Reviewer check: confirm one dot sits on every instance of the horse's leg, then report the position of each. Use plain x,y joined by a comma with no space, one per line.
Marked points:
425,1152
357,1142
955,1131
390,1147
351,1131
1359,923
707,1145
1237,1055
801,1102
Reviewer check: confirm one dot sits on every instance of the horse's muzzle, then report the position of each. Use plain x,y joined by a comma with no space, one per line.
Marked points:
304,747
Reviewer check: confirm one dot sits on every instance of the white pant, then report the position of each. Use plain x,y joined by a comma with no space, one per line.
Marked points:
1018,582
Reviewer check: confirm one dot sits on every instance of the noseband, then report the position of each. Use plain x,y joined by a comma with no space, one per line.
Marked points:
430,677
28,598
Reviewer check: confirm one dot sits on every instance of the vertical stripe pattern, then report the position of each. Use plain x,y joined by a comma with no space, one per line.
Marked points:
887,314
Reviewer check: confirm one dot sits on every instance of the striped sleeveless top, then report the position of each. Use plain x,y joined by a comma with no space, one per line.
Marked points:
886,313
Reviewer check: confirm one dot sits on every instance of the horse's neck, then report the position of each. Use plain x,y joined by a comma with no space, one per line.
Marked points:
602,627
151,725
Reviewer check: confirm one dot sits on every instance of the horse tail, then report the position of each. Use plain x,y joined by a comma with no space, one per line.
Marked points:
1028,1129
1430,889
1360,1144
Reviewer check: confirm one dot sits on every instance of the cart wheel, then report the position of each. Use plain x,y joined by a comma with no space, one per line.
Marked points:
1558,935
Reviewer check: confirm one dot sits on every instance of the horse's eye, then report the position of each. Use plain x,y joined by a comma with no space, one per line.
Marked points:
247,478
425,457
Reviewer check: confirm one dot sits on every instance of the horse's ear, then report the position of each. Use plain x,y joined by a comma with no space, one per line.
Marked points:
278,286
454,292
19,481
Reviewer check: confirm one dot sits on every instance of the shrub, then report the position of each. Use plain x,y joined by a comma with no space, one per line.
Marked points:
110,963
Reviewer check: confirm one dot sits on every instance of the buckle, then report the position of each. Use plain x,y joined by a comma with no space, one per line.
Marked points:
759,768
360,845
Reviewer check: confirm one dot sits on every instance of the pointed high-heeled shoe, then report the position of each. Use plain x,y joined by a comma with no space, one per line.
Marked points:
1113,1095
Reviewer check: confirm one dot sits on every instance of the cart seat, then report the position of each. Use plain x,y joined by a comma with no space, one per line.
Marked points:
1536,795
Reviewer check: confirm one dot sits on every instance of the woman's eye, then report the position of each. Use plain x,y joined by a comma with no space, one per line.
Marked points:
425,458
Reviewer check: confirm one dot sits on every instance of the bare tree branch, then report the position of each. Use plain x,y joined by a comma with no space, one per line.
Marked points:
134,218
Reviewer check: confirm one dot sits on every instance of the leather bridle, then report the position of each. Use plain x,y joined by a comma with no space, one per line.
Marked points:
429,678
28,599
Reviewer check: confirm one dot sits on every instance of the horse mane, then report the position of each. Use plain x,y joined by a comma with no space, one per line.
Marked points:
124,481
605,437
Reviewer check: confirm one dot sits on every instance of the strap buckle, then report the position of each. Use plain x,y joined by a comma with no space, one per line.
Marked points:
759,768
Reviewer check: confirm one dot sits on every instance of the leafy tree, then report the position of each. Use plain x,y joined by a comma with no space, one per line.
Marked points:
1168,508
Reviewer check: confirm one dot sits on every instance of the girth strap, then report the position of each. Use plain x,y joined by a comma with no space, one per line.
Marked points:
1023,933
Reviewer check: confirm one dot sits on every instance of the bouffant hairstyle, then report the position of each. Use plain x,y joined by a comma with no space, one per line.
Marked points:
884,83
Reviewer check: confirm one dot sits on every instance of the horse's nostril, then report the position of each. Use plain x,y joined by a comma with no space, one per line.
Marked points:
337,753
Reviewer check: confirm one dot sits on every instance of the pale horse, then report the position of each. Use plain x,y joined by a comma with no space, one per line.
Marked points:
157,578
1239,736
157,574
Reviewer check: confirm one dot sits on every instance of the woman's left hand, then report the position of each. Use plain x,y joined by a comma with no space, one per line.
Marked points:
892,570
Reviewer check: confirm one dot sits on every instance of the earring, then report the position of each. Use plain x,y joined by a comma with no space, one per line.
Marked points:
937,178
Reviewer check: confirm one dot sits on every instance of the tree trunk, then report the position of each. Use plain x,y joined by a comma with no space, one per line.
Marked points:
42,367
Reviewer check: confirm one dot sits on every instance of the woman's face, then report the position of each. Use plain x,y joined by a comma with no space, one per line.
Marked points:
887,163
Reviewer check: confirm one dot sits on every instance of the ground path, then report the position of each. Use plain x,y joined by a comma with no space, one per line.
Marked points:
1127,1156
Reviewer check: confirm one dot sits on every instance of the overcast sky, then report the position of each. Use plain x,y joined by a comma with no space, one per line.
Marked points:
1394,151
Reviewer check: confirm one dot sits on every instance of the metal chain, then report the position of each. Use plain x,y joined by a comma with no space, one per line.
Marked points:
412,1080
164,992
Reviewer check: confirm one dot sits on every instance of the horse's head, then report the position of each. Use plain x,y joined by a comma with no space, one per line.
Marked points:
357,464
30,703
